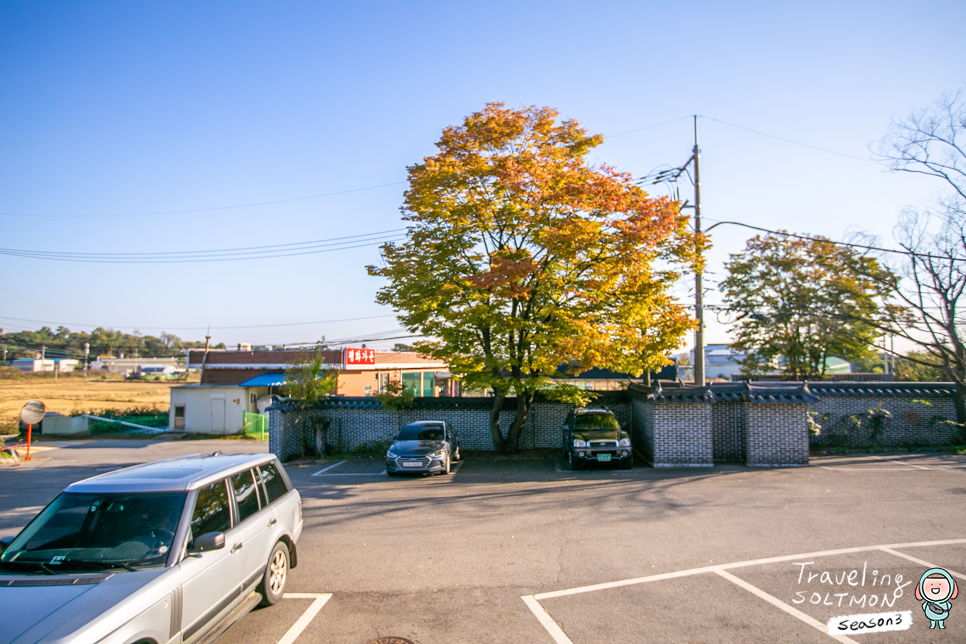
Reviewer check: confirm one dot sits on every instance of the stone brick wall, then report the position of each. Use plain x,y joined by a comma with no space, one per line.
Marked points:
667,433
362,421
642,436
728,431
913,422
682,435
776,435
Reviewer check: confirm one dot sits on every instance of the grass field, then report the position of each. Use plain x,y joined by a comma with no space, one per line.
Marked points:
66,395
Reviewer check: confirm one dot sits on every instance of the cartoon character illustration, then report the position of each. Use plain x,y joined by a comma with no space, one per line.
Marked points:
936,588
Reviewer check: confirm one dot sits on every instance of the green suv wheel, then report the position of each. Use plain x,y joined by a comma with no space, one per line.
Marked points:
574,463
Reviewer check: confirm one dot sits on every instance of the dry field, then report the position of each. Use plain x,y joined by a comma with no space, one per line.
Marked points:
67,395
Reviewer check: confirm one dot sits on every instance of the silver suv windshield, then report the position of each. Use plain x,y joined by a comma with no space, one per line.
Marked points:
84,531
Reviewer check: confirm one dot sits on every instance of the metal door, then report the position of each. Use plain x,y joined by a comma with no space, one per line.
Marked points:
217,416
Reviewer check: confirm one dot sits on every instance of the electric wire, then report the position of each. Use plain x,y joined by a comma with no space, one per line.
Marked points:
198,210
839,243
779,138
217,255
200,328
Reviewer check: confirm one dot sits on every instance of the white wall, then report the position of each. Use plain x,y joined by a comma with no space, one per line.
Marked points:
209,410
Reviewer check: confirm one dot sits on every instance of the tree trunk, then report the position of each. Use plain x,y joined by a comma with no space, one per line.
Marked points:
495,431
524,401
959,400
321,434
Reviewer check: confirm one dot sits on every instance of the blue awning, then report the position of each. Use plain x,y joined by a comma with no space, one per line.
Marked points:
265,380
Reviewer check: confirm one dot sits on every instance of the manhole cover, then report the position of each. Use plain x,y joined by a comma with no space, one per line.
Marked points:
391,640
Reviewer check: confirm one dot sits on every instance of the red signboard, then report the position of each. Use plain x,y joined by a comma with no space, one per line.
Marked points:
354,357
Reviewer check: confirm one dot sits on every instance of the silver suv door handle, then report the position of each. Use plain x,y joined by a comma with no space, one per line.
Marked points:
236,548
272,522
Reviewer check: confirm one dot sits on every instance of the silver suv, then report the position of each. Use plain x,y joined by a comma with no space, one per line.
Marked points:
172,551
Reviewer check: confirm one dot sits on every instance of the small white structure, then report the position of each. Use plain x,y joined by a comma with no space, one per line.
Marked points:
125,366
212,409
32,365
66,365
63,365
57,424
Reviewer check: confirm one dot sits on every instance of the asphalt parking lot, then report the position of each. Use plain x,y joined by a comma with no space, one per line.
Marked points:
523,550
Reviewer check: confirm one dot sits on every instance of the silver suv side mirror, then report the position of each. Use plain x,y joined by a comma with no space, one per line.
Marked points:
209,541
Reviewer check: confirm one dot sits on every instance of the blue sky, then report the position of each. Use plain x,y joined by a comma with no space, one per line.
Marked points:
120,108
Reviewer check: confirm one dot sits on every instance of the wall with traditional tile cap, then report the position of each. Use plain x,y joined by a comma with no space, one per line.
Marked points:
762,424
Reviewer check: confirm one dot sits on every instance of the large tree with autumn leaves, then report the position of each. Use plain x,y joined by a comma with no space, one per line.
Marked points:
520,257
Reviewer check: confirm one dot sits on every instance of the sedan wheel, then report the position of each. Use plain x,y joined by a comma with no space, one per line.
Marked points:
276,575
446,465
456,454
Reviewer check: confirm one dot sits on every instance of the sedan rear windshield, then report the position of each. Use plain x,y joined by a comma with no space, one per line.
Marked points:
596,421
421,433
83,531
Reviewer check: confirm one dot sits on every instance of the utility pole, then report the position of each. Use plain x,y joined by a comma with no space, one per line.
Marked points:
698,285
87,351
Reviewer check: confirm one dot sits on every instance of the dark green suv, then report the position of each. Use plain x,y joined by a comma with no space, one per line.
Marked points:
593,435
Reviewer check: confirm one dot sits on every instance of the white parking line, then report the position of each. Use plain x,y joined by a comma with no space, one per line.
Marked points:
533,601
921,562
866,469
558,467
546,620
352,474
791,610
328,468
898,462
456,468
320,598
740,564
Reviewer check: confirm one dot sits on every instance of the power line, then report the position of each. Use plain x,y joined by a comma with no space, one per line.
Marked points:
202,328
217,255
197,210
646,127
837,243
778,138
396,183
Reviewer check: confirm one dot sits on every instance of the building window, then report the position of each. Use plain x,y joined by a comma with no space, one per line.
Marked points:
411,381
427,383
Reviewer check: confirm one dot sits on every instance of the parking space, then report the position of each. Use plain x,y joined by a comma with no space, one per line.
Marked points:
521,549
781,599
283,623
365,467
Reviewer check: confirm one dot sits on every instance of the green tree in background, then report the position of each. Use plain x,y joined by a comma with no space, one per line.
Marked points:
520,258
64,343
804,301
307,383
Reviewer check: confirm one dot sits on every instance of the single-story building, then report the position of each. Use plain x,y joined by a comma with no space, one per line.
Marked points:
233,382
62,365
126,366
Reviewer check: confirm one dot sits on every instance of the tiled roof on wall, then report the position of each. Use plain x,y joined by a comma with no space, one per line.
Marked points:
779,393
883,389
673,392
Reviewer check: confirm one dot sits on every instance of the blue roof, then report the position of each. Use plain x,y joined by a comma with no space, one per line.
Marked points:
265,380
